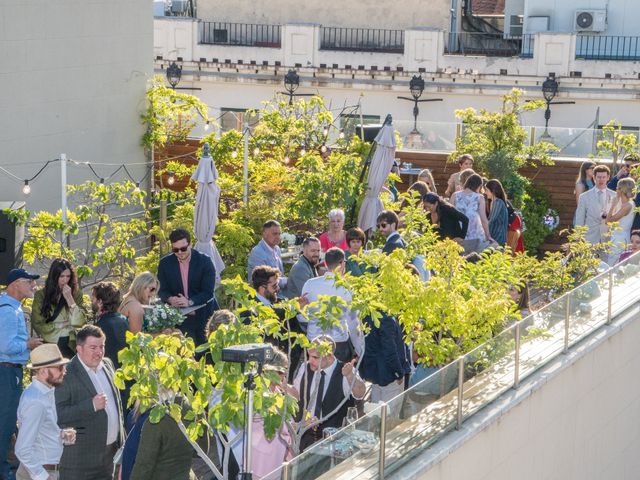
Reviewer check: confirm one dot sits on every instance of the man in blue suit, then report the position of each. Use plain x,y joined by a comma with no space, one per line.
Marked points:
387,223
187,279
267,251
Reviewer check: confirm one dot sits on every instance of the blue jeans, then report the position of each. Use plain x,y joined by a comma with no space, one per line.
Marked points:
10,391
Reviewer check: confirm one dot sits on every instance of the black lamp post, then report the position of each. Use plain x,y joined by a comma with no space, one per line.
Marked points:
291,84
416,87
549,92
174,73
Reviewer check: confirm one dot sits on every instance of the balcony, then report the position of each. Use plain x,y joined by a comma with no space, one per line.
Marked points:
596,47
489,45
239,34
362,40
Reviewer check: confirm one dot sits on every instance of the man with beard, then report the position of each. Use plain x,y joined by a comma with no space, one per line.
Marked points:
304,268
39,444
265,280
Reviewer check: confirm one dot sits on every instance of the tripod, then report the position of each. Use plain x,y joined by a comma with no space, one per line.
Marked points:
250,385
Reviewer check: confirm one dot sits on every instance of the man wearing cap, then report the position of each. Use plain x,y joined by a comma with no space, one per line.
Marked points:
39,444
15,344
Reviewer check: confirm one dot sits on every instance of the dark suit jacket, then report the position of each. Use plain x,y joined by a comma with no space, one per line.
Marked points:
393,241
114,325
202,277
74,404
385,357
453,223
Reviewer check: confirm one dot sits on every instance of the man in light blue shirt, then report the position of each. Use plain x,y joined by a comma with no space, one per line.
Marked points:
14,353
39,444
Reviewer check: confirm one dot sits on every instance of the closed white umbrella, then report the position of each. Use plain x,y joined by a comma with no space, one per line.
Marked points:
205,215
379,170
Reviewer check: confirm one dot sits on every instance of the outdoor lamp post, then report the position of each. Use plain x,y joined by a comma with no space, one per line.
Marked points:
291,84
174,73
549,92
416,87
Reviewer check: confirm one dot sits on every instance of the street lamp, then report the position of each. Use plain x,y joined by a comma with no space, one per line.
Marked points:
416,87
291,84
549,92
174,73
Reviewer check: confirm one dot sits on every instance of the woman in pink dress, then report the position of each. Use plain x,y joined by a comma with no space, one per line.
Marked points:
335,236
268,455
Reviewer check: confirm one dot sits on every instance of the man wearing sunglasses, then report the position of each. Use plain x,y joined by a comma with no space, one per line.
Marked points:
187,279
387,224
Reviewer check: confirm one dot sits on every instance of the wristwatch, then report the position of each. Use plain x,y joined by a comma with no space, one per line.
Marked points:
190,303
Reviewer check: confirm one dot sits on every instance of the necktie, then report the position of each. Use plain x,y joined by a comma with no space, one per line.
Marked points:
318,410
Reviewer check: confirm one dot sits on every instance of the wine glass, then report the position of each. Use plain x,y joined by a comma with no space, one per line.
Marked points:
352,415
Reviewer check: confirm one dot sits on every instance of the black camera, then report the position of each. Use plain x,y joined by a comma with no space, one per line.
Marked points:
251,352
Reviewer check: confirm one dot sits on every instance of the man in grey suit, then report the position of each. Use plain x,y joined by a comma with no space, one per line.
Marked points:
593,206
89,401
304,268
267,251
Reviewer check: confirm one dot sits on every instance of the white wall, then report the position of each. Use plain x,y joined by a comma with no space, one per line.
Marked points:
398,14
580,422
622,15
73,76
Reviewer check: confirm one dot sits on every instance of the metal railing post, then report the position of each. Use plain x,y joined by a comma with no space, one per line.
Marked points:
460,391
567,316
516,370
610,299
383,440
163,223
285,471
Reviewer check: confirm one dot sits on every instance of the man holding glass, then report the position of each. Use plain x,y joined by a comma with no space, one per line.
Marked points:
40,440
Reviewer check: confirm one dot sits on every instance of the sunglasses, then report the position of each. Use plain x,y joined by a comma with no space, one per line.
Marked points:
181,249
152,289
382,225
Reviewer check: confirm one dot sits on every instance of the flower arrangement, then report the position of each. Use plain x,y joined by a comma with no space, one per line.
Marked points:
161,317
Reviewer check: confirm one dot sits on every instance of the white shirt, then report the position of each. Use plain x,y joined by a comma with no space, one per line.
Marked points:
39,441
102,385
315,381
349,324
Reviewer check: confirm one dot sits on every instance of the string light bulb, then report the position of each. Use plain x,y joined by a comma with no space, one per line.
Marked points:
234,154
325,132
256,151
137,189
102,181
341,134
303,152
171,180
207,126
27,188
323,149
287,160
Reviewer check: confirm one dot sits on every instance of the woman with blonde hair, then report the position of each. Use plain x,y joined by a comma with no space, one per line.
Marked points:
142,291
426,177
622,212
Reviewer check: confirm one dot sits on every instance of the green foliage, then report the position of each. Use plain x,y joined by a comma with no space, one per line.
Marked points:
616,144
535,206
170,114
100,244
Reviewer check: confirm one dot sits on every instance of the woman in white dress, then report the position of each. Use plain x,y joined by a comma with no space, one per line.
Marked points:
621,211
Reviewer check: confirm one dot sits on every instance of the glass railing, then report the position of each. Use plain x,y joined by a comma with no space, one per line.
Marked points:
441,137
392,433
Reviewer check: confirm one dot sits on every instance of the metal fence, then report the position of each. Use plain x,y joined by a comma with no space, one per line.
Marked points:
393,433
596,47
240,34
362,39
489,44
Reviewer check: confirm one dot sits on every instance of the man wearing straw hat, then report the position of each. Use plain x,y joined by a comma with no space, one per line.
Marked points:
39,444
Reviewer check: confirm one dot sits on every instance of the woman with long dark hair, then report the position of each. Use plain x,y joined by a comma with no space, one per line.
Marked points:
449,222
498,212
585,179
58,308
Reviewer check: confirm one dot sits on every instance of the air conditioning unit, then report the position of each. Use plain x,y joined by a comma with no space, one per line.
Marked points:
590,21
